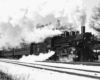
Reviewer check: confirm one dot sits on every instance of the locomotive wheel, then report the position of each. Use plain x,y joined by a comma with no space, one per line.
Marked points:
85,54
67,54
79,55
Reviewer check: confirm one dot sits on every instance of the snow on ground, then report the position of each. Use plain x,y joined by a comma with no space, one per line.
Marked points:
25,73
75,66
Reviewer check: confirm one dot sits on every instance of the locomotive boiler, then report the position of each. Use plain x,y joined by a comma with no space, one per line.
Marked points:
75,44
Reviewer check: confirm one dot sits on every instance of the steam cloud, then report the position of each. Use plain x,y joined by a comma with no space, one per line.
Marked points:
33,58
20,19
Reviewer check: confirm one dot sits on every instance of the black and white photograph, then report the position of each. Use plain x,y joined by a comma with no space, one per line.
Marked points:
49,39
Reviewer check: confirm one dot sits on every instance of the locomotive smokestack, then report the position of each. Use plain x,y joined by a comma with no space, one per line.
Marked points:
82,29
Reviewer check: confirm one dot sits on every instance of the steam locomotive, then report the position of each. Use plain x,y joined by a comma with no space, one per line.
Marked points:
80,46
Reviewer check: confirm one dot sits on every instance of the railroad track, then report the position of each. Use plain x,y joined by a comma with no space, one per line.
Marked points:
58,67
76,63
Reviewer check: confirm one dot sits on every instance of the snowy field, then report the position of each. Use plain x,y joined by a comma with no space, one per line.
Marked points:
17,72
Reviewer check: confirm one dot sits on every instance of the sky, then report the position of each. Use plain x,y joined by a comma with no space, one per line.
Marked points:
90,4
19,18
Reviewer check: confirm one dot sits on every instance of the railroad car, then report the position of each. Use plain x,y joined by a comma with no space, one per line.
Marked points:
73,43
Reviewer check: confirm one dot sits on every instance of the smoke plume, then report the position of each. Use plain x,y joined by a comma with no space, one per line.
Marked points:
35,20
81,18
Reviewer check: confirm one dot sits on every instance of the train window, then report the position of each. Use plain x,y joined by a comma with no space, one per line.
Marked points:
34,49
7,51
38,49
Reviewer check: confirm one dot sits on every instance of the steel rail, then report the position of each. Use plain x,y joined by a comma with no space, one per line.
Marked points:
76,63
58,69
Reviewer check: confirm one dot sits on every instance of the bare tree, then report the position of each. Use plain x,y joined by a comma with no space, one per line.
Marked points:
95,19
